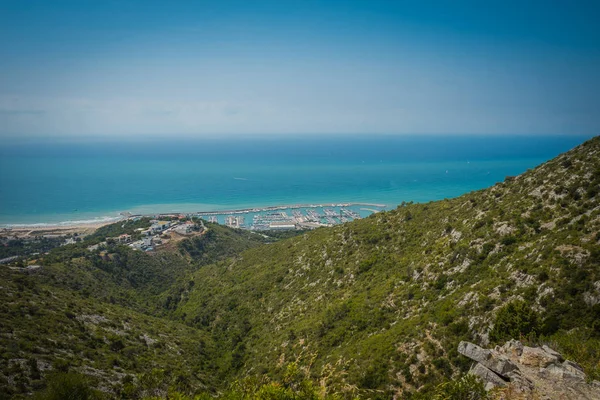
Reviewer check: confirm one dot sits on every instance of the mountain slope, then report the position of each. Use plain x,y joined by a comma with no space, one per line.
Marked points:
382,303
98,313
47,329
372,308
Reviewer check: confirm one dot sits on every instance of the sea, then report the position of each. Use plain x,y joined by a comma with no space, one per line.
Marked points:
44,181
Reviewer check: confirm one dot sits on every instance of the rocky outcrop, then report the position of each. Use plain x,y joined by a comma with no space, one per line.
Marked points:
537,357
500,365
532,371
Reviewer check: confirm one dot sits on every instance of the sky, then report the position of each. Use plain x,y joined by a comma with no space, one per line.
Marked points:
83,69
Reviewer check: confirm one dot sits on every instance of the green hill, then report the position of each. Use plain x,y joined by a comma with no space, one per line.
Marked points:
372,308
99,313
381,303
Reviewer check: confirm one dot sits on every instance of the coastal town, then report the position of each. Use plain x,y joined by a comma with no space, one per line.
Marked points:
159,233
18,243
158,230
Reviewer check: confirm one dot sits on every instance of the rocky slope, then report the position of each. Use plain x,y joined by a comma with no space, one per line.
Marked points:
525,371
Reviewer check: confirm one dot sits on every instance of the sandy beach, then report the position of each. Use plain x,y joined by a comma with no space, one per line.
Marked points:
53,230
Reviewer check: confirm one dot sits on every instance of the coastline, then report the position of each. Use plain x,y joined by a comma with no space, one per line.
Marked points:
83,228
90,225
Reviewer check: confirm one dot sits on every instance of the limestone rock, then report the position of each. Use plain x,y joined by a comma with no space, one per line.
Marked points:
530,372
537,357
562,372
474,352
491,360
488,376
520,382
552,352
572,366
500,365
513,348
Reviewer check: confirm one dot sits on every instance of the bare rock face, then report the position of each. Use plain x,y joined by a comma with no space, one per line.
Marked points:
488,358
562,373
512,348
488,376
474,352
535,372
537,357
552,353
572,366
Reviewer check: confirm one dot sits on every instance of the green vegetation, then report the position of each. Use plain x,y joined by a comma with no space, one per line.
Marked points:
369,297
20,247
514,320
68,386
220,242
370,309
129,227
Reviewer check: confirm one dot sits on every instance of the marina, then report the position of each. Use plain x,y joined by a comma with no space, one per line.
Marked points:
300,216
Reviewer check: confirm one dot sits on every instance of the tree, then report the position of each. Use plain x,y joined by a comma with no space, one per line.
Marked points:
514,320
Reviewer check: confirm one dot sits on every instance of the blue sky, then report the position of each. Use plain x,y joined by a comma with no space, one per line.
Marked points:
201,68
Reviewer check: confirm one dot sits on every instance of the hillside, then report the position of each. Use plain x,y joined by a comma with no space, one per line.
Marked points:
381,304
373,308
99,313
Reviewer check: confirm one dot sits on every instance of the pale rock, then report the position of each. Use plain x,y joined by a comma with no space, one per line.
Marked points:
537,192
536,357
503,229
529,371
549,225
513,348
455,235
488,386
572,366
519,382
500,365
488,376
562,373
468,298
522,279
553,353
491,360
474,352
591,299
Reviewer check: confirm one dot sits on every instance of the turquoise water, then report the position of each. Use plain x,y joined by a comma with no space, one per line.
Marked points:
57,182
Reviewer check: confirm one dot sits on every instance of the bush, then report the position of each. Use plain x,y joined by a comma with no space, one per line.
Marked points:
469,387
508,240
68,386
514,320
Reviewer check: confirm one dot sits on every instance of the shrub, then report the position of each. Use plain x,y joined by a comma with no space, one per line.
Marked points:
508,240
469,387
68,386
514,320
